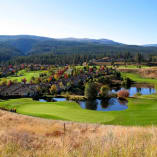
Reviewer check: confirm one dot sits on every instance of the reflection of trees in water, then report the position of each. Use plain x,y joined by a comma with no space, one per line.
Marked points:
138,90
122,102
104,103
91,104
127,86
117,88
150,91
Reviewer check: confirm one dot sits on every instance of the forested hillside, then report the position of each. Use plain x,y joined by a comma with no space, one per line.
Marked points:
32,49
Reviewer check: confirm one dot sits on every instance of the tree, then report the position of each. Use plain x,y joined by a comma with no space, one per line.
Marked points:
104,91
24,80
10,83
53,89
139,58
90,91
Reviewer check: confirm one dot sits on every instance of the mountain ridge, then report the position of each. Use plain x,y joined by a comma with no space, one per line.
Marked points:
24,45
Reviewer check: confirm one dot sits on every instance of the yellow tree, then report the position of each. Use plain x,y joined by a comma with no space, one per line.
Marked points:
53,89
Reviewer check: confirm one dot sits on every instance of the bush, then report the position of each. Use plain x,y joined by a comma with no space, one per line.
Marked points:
123,94
104,91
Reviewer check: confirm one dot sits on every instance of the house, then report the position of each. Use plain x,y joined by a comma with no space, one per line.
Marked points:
105,59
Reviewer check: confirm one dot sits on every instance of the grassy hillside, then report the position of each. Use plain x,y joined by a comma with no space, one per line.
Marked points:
35,137
139,79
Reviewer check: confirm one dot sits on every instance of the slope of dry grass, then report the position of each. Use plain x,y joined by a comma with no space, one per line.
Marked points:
22,136
143,72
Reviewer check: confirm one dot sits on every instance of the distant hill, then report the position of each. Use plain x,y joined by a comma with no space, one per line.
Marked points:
150,45
94,41
7,52
24,45
16,37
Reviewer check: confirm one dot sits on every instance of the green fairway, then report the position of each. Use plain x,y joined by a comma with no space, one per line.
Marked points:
138,79
141,111
70,111
24,74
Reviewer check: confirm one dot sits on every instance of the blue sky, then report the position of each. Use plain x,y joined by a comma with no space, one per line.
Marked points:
126,21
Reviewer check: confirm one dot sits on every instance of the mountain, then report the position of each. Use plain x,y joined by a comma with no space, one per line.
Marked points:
27,45
150,45
16,37
7,52
23,43
94,41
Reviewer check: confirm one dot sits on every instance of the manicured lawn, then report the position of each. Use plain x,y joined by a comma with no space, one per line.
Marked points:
137,78
70,111
141,111
24,74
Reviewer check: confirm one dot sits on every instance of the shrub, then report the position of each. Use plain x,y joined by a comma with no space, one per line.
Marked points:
123,94
104,91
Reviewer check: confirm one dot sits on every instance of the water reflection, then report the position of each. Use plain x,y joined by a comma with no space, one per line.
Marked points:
104,103
134,90
91,104
112,104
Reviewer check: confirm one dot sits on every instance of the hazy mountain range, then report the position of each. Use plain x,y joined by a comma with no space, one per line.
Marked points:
22,45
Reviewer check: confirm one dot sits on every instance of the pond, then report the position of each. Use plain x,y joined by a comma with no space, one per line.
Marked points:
114,104
144,90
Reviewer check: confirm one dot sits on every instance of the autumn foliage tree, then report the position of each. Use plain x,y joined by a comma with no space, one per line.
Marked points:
10,83
53,89
24,80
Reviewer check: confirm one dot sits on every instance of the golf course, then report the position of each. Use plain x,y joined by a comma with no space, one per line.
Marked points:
142,109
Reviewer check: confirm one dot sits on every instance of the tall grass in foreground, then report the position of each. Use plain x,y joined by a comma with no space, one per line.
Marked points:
22,136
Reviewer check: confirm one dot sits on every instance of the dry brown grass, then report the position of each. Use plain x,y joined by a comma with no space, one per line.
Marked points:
23,136
144,72
149,72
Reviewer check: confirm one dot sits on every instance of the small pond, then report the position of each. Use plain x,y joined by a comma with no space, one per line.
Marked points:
113,104
134,90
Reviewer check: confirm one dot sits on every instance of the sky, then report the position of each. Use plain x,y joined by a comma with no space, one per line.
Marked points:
125,21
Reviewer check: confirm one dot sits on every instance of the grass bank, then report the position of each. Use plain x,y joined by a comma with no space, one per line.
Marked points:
24,136
141,111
